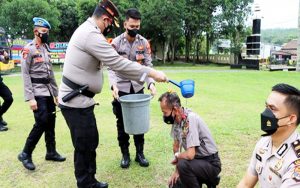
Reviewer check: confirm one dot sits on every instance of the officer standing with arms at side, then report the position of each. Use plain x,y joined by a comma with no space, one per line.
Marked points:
134,47
275,161
87,52
5,93
199,162
41,93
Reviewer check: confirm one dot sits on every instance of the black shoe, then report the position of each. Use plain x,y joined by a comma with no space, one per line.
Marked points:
54,156
125,162
26,160
100,185
4,123
2,128
140,158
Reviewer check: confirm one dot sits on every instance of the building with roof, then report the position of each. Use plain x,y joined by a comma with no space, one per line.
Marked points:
287,52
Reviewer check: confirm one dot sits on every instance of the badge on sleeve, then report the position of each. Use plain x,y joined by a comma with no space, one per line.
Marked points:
25,53
296,174
148,47
297,162
296,147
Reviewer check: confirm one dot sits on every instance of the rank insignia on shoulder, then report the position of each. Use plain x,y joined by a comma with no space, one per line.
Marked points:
296,147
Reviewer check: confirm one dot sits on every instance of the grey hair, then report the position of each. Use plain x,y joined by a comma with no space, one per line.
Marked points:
172,99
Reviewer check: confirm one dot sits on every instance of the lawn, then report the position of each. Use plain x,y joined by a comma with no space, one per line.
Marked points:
229,101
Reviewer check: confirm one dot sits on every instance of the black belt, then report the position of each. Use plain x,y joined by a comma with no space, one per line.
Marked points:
75,86
209,157
40,80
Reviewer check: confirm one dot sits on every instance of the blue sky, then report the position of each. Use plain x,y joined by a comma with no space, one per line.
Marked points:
279,13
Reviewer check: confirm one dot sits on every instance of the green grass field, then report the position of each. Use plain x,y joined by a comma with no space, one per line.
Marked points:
229,101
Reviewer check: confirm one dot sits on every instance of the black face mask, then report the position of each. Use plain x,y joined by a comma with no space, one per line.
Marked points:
132,32
107,30
269,123
169,119
43,37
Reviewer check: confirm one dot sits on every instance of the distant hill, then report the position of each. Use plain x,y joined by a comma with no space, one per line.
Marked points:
279,36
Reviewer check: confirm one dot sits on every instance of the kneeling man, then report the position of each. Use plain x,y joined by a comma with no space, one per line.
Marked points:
199,163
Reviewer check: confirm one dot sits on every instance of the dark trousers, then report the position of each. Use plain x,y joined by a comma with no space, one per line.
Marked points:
85,139
123,137
6,95
194,173
44,123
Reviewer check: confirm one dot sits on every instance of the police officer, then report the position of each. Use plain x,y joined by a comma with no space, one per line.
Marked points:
199,163
86,54
5,93
134,47
41,93
275,161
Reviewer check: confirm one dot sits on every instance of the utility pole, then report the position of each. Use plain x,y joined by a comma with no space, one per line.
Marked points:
298,49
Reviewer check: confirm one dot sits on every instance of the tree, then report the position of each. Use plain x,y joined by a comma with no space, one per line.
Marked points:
162,22
16,16
233,18
85,9
69,19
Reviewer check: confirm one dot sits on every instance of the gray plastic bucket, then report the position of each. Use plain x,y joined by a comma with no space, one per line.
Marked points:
136,112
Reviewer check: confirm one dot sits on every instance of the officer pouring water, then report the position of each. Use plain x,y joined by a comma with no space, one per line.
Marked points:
88,51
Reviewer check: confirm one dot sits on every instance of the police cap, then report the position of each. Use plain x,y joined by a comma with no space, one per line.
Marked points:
41,22
111,10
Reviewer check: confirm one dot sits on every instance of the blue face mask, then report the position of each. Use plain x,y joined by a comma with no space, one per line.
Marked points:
169,119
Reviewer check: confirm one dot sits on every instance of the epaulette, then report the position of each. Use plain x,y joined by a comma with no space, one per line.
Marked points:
296,147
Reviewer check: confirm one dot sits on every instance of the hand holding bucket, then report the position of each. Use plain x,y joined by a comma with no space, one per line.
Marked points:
186,87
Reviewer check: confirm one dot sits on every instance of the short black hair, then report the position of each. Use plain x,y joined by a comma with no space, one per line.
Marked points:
172,99
133,13
293,97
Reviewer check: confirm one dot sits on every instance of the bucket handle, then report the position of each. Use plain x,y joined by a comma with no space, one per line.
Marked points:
118,99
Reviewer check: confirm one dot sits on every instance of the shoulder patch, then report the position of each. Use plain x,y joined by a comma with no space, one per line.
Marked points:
25,52
296,147
296,162
296,174
148,47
